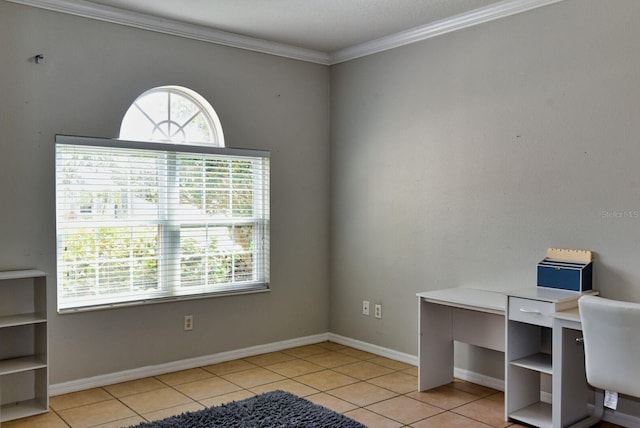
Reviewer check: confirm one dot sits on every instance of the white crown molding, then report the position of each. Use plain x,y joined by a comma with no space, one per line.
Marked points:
197,32
475,17
176,28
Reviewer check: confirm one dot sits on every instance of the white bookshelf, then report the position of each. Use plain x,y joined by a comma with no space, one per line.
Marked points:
24,375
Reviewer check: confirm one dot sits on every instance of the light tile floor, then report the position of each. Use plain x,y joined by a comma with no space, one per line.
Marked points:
376,391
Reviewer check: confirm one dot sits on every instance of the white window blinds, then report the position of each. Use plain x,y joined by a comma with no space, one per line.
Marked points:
141,222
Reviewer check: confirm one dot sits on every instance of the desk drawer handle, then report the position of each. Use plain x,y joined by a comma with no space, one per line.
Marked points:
530,311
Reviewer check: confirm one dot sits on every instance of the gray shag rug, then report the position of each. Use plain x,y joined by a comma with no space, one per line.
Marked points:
276,409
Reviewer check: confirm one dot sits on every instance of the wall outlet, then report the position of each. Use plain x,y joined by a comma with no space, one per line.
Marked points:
365,307
188,322
378,311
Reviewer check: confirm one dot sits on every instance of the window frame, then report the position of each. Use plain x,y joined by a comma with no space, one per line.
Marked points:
174,149
204,108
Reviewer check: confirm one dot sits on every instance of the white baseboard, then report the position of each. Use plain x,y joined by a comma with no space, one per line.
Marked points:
479,379
619,418
142,372
374,349
458,373
611,416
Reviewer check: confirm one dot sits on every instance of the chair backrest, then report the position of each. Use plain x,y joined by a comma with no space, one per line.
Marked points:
611,331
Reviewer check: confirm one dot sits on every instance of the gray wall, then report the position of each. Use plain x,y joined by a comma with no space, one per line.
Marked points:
91,73
457,161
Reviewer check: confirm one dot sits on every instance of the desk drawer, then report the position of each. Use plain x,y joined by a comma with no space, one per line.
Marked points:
531,311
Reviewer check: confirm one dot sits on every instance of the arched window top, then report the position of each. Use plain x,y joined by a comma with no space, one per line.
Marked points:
172,114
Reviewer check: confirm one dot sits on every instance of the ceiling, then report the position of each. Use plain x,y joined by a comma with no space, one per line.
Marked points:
321,25
321,31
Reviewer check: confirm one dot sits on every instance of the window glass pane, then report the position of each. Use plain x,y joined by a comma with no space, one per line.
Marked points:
109,260
182,108
243,198
243,263
171,113
200,261
155,106
106,185
216,255
198,129
215,188
136,126
220,188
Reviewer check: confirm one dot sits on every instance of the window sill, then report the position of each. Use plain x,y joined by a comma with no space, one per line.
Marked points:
159,300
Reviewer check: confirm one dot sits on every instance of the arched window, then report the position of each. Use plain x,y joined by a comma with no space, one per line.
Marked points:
163,212
172,114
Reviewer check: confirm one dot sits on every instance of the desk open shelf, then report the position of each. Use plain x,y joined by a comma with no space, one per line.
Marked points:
539,362
537,414
527,360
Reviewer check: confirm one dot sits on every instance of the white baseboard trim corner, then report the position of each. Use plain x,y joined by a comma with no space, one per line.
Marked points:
374,349
155,370
458,373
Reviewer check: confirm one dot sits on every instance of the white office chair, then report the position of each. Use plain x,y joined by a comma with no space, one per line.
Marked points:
611,332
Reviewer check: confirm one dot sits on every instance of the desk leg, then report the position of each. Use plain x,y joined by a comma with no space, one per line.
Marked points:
435,345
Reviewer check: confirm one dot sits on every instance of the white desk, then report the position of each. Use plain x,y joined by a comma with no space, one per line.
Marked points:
477,317
463,314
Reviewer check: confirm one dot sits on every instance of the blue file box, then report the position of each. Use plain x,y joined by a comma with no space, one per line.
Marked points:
565,275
